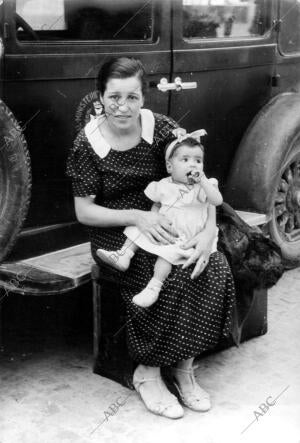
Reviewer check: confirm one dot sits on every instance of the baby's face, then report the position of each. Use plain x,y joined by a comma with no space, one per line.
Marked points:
186,159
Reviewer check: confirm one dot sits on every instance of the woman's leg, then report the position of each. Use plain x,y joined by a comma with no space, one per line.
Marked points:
149,295
184,378
192,395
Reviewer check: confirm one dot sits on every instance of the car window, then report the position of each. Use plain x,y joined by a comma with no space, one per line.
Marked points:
289,30
84,20
226,18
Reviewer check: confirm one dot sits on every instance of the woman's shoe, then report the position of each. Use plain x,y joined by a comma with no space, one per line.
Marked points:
166,405
196,398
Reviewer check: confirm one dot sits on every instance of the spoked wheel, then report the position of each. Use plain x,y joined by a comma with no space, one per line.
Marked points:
285,224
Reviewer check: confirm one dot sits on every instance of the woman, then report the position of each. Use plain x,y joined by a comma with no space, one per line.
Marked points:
112,161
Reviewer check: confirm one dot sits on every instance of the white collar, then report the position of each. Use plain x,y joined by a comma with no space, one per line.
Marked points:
101,146
147,123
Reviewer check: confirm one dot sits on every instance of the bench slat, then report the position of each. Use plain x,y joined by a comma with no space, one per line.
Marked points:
73,262
55,272
253,218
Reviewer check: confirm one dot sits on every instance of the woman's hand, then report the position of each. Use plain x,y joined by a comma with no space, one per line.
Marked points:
157,227
202,244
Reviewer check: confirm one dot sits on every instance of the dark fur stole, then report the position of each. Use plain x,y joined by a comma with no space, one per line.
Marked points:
254,259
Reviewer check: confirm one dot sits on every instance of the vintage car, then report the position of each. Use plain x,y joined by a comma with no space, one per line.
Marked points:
231,67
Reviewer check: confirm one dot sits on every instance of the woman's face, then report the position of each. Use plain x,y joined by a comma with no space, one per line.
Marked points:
122,101
186,159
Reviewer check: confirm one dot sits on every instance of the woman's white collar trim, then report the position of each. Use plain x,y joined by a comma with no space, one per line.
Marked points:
101,146
148,123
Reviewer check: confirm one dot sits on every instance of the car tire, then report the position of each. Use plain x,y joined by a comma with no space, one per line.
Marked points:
265,173
284,226
15,180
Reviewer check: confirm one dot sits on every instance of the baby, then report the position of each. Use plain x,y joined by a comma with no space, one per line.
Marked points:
183,198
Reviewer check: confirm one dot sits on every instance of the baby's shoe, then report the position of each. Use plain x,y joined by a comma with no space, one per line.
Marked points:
119,259
149,295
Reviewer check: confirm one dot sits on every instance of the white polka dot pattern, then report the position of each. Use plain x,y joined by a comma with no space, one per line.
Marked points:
190,316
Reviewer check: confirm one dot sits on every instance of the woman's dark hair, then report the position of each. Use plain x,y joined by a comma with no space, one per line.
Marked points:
189,141
121,67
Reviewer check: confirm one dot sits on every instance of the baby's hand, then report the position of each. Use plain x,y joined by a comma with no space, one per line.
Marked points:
179,133
195,176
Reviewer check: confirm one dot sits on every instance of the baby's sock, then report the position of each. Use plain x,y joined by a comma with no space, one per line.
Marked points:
119,259
149,295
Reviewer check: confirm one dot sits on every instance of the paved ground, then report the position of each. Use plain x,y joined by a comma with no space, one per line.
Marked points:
53,396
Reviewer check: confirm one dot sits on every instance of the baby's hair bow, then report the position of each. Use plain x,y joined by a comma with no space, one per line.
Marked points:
196,135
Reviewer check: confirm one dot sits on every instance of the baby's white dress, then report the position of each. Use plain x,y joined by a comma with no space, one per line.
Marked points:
186,207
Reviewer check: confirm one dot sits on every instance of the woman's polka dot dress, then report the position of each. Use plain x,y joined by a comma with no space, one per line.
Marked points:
190,316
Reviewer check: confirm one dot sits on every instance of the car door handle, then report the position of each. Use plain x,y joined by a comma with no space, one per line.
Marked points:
178,85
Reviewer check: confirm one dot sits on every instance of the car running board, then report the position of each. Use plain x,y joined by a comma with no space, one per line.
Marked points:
54,272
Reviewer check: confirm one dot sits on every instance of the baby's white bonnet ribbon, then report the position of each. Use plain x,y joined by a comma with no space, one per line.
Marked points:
195,135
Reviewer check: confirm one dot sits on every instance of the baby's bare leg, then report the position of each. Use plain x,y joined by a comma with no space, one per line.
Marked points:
128,245
150,294
162,269
119,259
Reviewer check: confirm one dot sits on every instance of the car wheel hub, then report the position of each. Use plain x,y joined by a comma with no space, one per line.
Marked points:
287,203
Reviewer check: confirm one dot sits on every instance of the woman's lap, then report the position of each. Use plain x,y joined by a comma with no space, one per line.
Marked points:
189,317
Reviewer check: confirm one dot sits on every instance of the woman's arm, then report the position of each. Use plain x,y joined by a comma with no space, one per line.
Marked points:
90,214
156,226
202,243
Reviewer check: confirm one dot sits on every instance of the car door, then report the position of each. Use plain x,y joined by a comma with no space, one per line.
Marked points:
53,53
224,54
